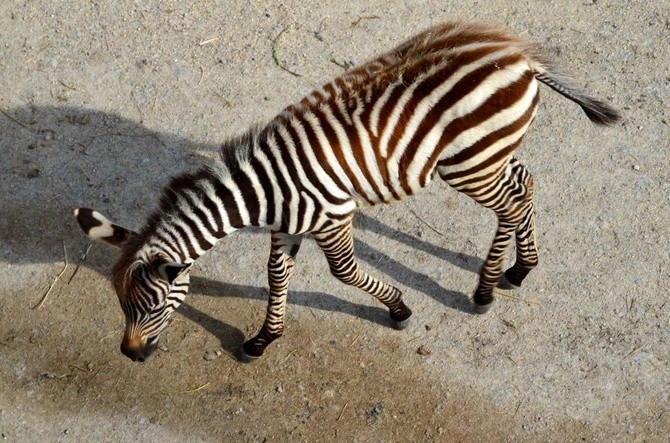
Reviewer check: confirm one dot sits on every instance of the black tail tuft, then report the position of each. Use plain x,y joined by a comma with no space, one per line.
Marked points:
598,112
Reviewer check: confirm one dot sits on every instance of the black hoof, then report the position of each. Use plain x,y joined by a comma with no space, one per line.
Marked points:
243,357
483,309
252,349
513,278
506,284
400,316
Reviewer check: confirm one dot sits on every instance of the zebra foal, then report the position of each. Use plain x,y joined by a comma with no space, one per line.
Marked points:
453,102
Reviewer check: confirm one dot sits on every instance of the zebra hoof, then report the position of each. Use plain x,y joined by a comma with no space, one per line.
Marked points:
400,325
243,357
483,309
506,284
400,316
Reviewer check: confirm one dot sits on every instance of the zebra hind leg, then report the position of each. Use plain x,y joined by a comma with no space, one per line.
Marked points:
338,246
509,195
280,270
526,242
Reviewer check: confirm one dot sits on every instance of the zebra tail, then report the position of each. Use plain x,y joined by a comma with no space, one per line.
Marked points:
598,112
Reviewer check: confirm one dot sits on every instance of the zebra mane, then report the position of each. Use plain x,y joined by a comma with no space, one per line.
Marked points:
238,150
234,153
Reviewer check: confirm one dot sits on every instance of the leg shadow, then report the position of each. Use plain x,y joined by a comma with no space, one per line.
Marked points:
413,279
230,337
463,261
313,300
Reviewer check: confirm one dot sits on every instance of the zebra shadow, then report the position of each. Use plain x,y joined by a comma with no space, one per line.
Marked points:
231,338
58,158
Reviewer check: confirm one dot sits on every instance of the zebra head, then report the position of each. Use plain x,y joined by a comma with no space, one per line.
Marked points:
148,284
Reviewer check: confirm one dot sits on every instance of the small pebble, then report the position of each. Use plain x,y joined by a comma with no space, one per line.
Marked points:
376,411
209,356
423,350
33,173
636,167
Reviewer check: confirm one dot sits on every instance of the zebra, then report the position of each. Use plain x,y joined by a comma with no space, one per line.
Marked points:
452,102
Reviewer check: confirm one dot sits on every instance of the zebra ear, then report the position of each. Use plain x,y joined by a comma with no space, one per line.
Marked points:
97,227
169,270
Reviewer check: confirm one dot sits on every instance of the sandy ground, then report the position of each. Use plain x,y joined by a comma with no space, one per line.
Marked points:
101,104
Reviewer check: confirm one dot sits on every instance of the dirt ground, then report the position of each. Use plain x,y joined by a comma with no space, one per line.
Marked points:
102,101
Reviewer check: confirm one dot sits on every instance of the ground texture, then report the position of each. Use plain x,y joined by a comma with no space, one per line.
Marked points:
102,101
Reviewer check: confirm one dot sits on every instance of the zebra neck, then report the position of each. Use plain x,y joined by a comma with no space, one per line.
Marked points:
197,210
250,182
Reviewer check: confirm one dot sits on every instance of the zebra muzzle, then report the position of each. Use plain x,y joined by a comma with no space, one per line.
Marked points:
137,350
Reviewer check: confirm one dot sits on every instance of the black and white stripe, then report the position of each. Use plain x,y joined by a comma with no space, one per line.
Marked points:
453,102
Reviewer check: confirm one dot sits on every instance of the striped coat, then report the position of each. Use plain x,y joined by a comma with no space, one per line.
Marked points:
453,102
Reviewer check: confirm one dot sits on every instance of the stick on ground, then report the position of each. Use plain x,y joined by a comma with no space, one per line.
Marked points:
275,55
53,283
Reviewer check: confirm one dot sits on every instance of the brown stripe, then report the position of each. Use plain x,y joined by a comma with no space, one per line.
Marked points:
487,141
291,167
339,153
359,155
319,154
249,196
501,99
374,139
460,89
268,190
455,94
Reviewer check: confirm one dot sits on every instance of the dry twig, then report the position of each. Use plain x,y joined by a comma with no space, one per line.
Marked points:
342,411
514,297
207,42
53,283
358,21
188,391
275,55
82,259
90,183
71,88
343,65
426,223
202,75
80,368
18,122
191,391
288,356
108,336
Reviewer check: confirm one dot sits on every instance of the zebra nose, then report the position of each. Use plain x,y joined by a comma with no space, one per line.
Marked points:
136,350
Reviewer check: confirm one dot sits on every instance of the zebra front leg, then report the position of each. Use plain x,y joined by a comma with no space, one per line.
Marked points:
280,270
338,246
